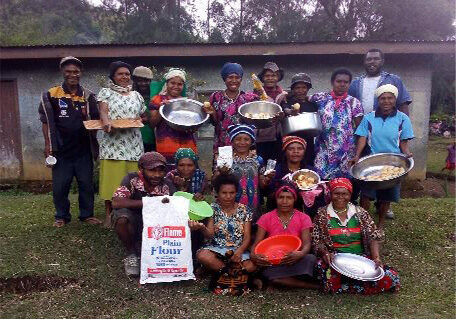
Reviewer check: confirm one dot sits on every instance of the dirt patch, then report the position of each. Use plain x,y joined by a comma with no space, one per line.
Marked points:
27,284
34,187
430,187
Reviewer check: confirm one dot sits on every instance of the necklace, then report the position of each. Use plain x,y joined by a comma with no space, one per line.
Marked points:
230,99
286,221
342,211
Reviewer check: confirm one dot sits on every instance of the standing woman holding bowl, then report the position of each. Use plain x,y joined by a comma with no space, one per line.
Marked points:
120,149
169,140
340,114
224,104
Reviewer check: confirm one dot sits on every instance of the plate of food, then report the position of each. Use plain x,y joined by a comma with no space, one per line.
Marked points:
306,179
259,113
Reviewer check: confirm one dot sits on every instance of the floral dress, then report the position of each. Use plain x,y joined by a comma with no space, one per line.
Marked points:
229,230
122,144
247,170
335,146
227,114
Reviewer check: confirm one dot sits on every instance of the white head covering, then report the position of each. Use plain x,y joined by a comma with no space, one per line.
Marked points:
172,73
386,88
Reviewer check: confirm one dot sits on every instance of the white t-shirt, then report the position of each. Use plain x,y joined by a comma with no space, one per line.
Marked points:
368,94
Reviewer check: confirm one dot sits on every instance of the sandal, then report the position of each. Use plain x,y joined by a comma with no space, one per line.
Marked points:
92,221
59,223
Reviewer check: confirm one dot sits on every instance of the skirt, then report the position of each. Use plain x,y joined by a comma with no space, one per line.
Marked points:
305,266
111,174
336,283
222,251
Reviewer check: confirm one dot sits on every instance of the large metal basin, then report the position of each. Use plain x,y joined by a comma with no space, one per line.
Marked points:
184,114
306,123
372,164
259,107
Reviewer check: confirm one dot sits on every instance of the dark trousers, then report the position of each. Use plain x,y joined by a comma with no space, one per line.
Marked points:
62,176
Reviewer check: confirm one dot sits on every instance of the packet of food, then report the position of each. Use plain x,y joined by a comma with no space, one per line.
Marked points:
270,165
225,156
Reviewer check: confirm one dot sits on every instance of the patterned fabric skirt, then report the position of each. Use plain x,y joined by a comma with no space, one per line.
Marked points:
111,174
334,282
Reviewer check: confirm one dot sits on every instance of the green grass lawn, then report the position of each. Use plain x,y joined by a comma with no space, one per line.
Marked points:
418,244
437,153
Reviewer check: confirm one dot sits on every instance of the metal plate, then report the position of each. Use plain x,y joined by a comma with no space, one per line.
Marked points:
357,267
183,114
371,164
259,107
306,123
307,173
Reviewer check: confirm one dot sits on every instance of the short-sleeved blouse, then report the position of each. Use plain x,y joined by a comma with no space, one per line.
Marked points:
335,146
122,144
229,230
271,223
227,114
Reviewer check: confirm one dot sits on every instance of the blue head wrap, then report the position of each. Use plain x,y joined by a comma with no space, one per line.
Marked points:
230,68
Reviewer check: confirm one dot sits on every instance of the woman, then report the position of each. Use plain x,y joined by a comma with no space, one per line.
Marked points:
268,142
120,149
346,228
296,265
340,114
228,229
293,150
246,167
187,176
300,86
387,130
224,104
169,140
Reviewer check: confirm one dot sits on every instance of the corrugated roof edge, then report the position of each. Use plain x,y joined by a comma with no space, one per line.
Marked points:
59,45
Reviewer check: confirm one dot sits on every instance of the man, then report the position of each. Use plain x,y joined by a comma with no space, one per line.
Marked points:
62,111
363,87
142,76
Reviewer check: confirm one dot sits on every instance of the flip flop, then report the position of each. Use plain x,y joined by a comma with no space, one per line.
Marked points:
59,223
92,221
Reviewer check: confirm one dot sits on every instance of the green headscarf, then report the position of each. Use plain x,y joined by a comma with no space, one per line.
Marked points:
185,153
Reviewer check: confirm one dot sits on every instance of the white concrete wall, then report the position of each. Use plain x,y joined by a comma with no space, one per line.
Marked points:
33,77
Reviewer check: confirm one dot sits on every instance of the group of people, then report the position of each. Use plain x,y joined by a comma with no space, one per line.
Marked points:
365,116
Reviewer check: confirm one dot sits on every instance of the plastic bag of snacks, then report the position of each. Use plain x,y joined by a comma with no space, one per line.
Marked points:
166,252
225,156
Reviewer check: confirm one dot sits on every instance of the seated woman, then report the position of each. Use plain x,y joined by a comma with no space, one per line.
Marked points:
346,228
296,267
247,167
293,159
187,176
386,130
169,140
228,229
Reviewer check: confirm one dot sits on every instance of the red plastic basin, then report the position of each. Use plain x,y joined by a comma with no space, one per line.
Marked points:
276,247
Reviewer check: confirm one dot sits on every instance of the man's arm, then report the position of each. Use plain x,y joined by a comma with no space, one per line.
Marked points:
118,202
404,108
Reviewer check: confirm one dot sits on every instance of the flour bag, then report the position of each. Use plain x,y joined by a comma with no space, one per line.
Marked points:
166,252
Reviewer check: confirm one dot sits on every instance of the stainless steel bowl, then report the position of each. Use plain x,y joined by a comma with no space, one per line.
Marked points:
183,114
259,107
307,123
357,267
307,173
372,164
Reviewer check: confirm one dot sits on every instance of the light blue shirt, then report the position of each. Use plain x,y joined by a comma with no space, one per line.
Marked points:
384,133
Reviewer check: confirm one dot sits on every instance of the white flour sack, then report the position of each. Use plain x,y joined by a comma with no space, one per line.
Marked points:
166,252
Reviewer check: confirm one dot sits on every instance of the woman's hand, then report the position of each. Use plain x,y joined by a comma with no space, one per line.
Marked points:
198,197
291,258
195,225
328,257
408,154
178,181
378,262
237,257
107,127
260,260
353,161
208,108
268,178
